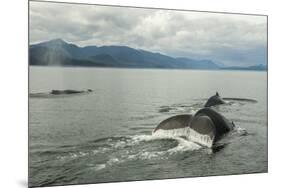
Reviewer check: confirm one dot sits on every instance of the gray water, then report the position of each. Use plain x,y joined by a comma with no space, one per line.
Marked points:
105,136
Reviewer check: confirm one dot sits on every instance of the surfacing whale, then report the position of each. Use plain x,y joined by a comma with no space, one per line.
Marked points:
205,127
56,93
217,100
214,100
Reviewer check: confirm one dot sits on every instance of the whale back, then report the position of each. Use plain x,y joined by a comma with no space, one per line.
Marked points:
214,100
221,124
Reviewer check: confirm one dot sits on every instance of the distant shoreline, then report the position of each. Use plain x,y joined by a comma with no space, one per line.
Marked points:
148,68
60,53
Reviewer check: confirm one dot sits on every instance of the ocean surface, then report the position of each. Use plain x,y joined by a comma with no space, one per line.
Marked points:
105,136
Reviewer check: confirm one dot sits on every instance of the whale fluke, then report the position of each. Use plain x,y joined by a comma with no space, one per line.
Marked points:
175,122
205,127
222,125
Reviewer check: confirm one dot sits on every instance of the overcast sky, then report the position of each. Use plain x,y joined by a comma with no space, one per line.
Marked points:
230,39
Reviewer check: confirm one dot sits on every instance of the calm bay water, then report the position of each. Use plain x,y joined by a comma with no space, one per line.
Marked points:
105,136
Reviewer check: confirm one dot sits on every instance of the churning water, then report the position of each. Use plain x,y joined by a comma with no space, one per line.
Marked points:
106,135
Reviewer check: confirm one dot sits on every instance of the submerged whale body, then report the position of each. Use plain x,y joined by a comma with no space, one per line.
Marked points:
68,91
55,93
214,100
205,127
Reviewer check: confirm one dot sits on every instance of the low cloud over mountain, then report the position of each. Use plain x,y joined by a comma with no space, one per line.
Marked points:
234,40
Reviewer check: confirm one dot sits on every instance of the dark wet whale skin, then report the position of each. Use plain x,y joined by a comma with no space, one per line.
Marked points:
214,100
222,125
175,122
205,121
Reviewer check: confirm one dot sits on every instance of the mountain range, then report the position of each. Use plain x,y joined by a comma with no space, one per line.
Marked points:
60,53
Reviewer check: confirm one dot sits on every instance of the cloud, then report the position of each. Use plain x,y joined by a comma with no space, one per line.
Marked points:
227,38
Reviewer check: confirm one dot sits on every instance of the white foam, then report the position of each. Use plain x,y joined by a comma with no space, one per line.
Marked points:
188,144
150,155
99,151
192,111
240,131
171,132
184,145
113,161
188,133
204,140
137,139
140,138
120,144
72,155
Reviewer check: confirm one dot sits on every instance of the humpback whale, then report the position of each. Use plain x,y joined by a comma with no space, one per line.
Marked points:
58,93
68,92
217,99
205,127
214,100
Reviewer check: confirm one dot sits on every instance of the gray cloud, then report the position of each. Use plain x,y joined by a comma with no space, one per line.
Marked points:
226,38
